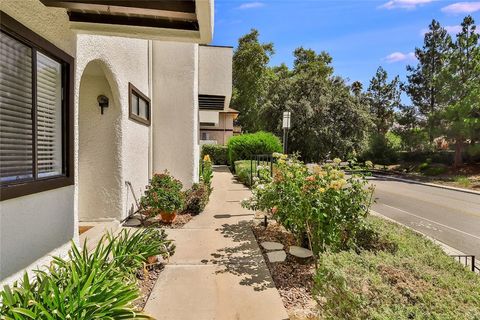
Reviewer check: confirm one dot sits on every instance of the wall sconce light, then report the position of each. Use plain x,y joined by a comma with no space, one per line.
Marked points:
102,102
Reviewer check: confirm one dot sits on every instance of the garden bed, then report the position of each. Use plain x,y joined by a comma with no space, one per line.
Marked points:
146,281
398,274
294,280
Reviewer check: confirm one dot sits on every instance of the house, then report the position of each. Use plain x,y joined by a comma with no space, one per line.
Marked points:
95,96
219,131
216,117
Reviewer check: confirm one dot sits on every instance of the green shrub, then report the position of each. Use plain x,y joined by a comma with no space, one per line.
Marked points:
217,153
417,280
129,250
206,171
463,181
197,198
163,194
323,203
432,170
85,286
244,146
381,150
243,170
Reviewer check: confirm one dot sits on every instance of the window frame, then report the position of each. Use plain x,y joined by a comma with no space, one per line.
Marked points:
16,189
132,90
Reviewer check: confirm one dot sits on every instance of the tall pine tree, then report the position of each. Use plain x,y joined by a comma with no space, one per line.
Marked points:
424,86
383,98
461,83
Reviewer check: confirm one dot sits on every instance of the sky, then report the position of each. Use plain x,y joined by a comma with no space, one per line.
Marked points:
360,35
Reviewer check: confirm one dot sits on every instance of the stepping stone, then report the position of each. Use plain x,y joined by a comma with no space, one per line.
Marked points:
300,252
134,222
270,245
276,256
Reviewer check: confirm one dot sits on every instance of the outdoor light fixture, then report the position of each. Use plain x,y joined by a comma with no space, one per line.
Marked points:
286,125
102,102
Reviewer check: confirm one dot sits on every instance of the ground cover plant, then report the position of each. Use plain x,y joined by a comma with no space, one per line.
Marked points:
403,276
87,285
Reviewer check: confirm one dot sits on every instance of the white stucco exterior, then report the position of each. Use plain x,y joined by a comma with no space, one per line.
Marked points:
111,149
122,145
215,71
34,225
175,110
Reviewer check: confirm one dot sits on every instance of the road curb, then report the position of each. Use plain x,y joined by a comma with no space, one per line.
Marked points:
435,185
445,247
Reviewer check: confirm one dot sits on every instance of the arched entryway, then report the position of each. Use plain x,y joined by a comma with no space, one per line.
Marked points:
99,169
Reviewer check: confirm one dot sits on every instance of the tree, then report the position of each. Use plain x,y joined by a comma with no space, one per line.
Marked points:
461,83
424,87
250,79
384,98
328,120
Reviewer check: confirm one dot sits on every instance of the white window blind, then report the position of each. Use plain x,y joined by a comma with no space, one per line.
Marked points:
49,116
16,125
21,157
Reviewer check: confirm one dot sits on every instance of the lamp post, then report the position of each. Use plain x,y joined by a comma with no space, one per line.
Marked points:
286,126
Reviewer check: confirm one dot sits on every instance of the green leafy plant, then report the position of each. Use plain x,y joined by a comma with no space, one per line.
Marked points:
163,194
246,145
130,250
322,204
207,171
84,286
197,198
463,181
217,153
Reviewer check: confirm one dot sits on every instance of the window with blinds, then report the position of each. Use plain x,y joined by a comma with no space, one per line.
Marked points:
31,125
139,105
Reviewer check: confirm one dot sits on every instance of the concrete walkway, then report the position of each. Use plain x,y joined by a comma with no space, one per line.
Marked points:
218,271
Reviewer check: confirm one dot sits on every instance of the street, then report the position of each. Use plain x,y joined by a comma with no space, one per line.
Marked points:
452,217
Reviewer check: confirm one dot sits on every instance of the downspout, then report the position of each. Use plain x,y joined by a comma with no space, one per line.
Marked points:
152,108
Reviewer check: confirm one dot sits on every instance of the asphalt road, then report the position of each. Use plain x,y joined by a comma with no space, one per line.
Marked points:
452,217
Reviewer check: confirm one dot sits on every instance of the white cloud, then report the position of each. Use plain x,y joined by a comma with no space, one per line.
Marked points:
404,4
462,7
400,57
251,5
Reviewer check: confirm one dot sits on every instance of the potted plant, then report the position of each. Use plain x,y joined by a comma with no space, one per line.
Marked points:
164,197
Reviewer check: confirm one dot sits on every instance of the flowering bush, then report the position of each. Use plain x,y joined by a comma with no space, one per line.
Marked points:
321,203
163,194
207,171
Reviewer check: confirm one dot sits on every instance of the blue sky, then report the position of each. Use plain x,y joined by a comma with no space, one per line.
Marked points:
359,34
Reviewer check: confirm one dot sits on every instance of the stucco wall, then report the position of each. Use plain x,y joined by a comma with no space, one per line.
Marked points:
122,60
99,184
34,225
175,115
215,71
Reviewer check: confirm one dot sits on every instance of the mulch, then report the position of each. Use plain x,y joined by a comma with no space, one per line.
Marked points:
180,221
146,281
293,279
148,277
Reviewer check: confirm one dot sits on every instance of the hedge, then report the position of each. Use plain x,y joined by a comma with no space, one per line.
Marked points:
244,146
217,153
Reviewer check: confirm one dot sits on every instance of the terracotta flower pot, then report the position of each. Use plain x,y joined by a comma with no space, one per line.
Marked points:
168,217
152,259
